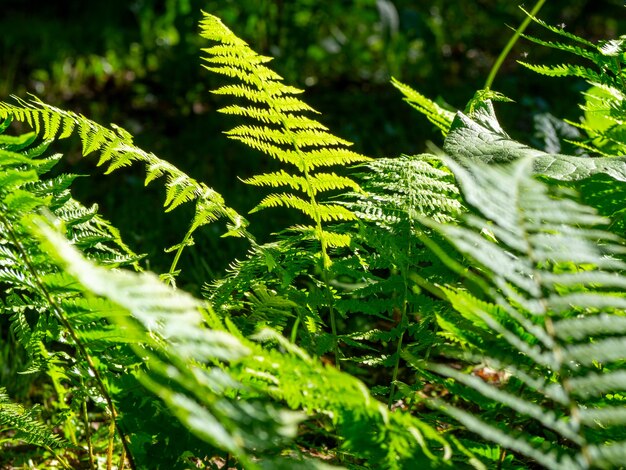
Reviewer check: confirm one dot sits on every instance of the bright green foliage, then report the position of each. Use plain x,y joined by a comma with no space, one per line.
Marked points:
196,370
440,117
476,294
25,423
604,101
285,134
390,262
115,148
552,280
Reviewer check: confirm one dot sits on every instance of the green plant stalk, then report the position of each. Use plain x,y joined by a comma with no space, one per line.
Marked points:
509,45
403,322
58,312
92,464
324,248
392,387
170,274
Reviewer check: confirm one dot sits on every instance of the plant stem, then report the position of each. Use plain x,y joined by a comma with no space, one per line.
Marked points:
392,387
511,43
183,244
92,464
111,442
331,311
60,315
403,322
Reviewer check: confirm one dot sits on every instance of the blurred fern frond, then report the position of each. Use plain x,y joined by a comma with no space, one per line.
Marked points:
547,311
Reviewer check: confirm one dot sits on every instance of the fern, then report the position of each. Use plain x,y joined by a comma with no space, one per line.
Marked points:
440,117
552,320
506,298
389,257
115,147
194,369
285,134
604,101
28,427
164,330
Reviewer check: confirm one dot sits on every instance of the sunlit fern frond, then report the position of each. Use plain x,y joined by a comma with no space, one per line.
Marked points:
551,319
604,105
440,117
116,149
283,131
26,425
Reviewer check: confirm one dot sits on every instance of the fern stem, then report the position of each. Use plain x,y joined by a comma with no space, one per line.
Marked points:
92,464
331,311
394,376
509,45
111,442
122,459
170,274
403,322
294,330
64,463
58,312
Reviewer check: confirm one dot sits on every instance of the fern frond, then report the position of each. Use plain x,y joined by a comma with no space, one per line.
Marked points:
24,423
604,102
117,150
286,133
545,263
440,117
560,31
564,70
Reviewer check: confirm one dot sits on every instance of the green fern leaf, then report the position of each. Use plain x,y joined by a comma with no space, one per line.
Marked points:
440,117
286,133
544,263
25,424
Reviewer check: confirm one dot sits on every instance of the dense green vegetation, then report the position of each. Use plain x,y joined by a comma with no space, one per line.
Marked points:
460,308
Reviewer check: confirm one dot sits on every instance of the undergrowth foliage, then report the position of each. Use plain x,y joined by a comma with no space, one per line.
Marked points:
429,311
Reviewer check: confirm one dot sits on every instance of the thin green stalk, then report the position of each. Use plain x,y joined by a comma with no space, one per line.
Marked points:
60,315
392,387
109,463
170,274
511,43
333,320
92,464
403,322
294,330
